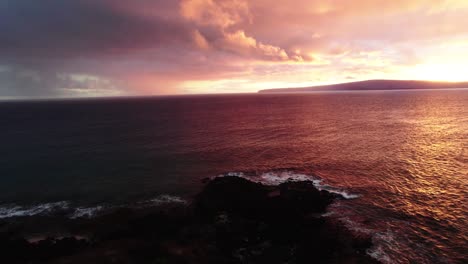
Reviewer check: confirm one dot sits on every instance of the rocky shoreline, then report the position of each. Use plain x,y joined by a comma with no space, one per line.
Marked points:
232,220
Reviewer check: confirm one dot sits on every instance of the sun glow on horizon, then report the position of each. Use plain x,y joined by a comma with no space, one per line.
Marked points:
440,72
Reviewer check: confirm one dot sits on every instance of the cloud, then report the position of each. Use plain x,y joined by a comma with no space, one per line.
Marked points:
161,46
238,43
221,14
220,27
81,28
17,82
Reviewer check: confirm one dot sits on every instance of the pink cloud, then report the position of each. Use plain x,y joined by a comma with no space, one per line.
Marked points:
144,45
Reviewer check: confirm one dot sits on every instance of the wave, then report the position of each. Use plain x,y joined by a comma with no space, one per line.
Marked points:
279,177
382,242
272,178
163,199
46,208
86,212
65,208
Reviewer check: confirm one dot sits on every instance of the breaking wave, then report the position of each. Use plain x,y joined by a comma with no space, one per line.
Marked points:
279,177
18,211
380,239
86,212
65,208
163,199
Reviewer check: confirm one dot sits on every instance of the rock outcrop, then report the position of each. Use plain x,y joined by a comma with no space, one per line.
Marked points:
232,220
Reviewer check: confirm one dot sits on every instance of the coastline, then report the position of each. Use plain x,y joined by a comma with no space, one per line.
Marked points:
232,220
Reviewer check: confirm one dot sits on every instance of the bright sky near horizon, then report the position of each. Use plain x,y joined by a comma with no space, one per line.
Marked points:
71,48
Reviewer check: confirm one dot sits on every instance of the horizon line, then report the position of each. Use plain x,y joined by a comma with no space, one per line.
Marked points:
110,97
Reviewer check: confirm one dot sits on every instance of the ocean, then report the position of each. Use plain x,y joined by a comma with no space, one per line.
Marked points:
398,158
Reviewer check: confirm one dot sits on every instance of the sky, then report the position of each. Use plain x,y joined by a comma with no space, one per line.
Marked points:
82,48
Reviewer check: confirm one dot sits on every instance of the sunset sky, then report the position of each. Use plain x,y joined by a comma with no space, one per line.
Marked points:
67,48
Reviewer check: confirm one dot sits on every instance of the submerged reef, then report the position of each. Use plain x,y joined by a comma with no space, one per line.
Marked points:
232,220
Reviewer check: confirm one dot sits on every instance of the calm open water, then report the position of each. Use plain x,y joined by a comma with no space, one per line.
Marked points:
401,155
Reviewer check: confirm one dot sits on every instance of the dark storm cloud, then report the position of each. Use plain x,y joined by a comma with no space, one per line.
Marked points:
44,42
68,28
18,82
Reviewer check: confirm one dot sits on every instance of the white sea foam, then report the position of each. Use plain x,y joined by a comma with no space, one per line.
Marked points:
89,212
41,209
12,210
86,212
355,226
273,178
163,199
379,254
384,242
381,243
342,193
276,178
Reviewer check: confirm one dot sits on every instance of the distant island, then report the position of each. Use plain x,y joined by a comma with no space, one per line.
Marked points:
372,85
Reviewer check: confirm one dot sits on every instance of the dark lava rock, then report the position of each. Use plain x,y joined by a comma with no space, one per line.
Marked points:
232,220
43,251
276,224
288,202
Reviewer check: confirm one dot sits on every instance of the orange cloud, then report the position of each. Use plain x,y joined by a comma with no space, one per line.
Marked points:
217,13
142,46
226,18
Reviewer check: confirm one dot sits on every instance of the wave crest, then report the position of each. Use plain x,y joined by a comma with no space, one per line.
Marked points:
64,207
278,177
46,208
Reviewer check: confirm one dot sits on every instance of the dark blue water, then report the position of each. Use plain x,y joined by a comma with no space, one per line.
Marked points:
402,156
